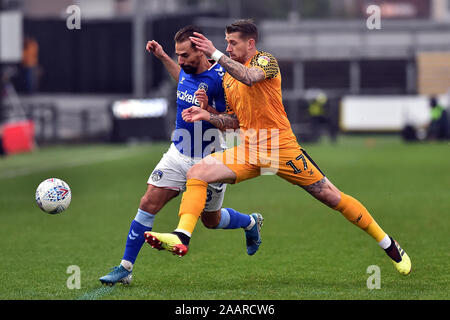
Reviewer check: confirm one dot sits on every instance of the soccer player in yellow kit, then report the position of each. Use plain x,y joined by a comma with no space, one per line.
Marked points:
252,87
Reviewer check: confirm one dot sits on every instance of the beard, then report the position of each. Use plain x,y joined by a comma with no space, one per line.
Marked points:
237,59
189,69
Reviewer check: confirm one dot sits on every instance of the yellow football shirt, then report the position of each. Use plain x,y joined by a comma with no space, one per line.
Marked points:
259,108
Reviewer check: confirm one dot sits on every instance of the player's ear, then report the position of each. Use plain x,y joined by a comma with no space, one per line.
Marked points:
251,43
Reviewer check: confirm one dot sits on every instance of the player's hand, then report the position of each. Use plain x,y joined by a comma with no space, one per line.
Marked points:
155,48
202,98
203,44
194,113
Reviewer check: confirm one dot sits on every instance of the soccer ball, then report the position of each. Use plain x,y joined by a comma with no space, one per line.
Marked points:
53,195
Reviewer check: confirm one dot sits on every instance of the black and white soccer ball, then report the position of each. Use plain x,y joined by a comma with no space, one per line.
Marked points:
53,195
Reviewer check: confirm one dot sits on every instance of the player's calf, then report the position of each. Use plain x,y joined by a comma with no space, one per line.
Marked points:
210,219
324,191
155,198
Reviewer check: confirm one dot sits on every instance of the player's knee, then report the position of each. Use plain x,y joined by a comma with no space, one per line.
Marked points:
210,219
195,172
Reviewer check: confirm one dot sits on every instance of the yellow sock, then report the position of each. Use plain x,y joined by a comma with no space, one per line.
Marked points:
356,213
192,204
374,230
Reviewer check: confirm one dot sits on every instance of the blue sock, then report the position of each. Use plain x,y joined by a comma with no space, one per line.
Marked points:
135,239
232,219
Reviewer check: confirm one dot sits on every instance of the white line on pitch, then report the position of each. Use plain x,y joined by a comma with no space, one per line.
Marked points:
68,164
96,293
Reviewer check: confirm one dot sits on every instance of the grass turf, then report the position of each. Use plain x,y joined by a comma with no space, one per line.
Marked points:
308,250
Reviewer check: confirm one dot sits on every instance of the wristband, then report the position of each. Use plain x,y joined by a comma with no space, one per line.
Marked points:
216,55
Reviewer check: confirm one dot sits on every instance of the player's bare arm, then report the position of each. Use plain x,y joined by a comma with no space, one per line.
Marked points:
221,121
172,67
224,121
237,70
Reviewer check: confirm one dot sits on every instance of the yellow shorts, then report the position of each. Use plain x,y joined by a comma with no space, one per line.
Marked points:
289,161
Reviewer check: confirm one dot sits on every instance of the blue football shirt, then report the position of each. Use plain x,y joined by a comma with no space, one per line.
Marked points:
200,138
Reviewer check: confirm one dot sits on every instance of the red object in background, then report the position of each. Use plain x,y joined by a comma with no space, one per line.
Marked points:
18,137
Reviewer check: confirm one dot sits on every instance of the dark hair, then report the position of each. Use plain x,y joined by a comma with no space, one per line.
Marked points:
246,27
184,33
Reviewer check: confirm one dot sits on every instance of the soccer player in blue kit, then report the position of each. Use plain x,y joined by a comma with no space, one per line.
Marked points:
199,83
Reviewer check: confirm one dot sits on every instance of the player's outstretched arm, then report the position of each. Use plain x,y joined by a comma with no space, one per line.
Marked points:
248,76
172,67
222,121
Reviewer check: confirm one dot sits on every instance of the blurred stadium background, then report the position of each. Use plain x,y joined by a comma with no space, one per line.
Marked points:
92,107
98,84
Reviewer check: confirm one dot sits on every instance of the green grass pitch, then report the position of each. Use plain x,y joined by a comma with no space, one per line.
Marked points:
308,250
